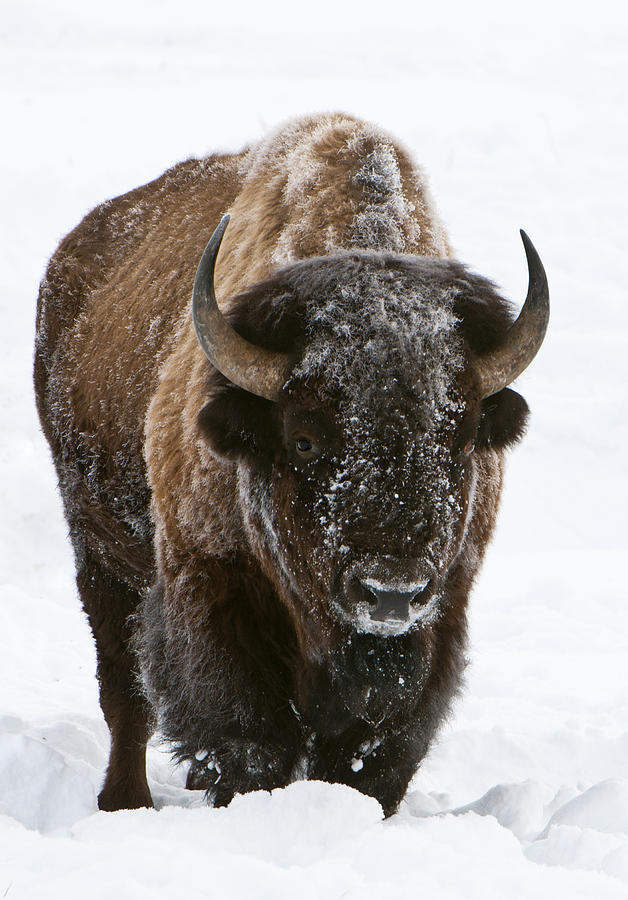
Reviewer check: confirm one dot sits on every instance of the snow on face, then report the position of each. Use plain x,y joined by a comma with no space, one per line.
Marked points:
383,318
388,349
382,364
366,624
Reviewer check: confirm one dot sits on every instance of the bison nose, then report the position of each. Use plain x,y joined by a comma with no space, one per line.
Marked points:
389,603
387,595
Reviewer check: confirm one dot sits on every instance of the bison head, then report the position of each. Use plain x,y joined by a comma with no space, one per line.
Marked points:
359,394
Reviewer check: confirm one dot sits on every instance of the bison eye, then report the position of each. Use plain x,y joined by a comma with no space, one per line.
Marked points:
469,447
305,448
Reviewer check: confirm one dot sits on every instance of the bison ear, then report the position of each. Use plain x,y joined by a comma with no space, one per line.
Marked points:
503,421
237,424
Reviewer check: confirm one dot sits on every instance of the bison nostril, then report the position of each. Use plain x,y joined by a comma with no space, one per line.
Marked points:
389,602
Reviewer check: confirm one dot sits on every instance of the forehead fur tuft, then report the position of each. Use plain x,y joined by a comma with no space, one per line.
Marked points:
373,323
358,313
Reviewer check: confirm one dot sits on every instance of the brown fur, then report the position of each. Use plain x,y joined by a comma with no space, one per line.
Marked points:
121,381
97,360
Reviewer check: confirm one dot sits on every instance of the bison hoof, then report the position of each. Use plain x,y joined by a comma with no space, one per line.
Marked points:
204,774
113,798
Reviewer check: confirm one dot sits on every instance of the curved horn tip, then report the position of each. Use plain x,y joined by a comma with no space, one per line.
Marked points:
528,246
222,225
525,336
535,266
213,245
216,238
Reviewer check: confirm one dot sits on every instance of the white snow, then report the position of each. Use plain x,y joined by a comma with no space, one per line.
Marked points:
390,626
518,116
396,584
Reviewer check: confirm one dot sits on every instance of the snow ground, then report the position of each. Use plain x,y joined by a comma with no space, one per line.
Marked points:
519,116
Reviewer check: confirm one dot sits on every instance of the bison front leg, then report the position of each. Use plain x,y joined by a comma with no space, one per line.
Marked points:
109,603
379,766
241,766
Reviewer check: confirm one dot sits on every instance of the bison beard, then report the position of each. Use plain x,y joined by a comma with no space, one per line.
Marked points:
282,538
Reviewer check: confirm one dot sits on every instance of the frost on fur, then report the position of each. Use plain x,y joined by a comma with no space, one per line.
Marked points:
290,576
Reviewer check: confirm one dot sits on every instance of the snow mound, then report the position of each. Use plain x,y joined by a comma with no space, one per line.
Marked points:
603,807
589,832
311,840
39,787
521,808
586,830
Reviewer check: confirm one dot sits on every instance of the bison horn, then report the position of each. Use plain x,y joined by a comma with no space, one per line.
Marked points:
253,368
525,336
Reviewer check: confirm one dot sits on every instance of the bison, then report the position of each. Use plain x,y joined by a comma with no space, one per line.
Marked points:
279,505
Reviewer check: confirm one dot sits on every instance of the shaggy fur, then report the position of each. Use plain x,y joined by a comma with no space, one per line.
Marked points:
202,539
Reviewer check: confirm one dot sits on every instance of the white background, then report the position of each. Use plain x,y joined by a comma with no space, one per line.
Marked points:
519,114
